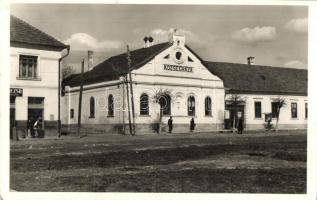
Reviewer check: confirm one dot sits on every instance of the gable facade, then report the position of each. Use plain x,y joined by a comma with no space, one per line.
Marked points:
175,70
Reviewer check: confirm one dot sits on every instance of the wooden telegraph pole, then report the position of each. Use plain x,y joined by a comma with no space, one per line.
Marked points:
131,89
80,97
128,102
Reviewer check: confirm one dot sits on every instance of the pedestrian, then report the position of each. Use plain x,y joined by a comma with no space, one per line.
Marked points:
240,126
170,124
192,125
37,127
29,127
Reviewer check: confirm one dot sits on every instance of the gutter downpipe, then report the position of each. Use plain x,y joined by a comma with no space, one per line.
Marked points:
59,92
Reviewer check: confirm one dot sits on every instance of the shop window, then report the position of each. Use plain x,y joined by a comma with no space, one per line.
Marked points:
294,110
28,67
92,107
144,104
165,104
72,113
306,110
208,106
274,107
191,106
110,105
257,109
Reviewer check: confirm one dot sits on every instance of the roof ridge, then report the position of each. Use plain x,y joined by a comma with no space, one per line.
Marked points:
268,66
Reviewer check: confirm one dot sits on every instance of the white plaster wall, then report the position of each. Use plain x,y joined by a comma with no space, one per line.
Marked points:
101,106
150,78
179,105
46,87
285,113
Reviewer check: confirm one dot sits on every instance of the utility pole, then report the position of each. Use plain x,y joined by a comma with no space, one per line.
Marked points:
123,107
80,97
128,102
131,89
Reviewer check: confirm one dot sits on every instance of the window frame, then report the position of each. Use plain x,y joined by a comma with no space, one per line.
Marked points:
35,67
145,102
191,106
274,114
294,113
110,105
92,107
208,106
71,113
168,111
257,109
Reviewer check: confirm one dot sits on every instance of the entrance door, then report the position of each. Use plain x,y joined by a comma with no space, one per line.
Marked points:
12,114
234,110
34,114
35,111
12,121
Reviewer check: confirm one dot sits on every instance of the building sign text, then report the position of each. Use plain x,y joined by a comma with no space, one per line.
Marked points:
17,92
177,68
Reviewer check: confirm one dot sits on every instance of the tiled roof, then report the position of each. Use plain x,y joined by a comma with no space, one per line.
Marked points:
115,66
25,35
237,78
243,78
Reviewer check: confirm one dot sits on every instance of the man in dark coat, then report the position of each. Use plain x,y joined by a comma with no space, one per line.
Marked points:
192,125
240,126
170,124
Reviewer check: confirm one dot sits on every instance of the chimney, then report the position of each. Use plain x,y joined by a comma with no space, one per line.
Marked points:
150,41
250,60
90,60
146,44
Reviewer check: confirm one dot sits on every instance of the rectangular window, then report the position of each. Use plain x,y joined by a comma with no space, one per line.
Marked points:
27,66
72,113
257,109
294,110
306,110
274,106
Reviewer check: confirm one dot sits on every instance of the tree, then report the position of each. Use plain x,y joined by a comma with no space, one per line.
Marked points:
280,103
67,71
159,98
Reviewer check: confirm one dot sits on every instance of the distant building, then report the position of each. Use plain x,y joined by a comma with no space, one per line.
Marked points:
195,89
34,57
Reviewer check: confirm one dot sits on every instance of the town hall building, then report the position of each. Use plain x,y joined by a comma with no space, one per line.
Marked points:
170,79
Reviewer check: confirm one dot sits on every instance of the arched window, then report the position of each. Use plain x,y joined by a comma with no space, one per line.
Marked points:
165,104
208,106
110,105
191,105
144,104
92,107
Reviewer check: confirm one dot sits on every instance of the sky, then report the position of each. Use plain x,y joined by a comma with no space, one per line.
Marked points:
274,35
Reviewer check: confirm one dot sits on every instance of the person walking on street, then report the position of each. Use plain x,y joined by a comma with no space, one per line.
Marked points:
170,124
240,126
192,125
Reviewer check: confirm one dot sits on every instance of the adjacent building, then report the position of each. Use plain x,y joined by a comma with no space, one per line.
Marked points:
170,79
35,57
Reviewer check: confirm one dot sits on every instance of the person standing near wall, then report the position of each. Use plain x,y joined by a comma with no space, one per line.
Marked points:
192,125
170,124
240,126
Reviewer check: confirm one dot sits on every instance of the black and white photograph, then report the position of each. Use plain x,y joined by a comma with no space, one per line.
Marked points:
124,98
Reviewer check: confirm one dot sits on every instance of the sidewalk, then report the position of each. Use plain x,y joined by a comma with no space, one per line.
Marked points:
153,139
